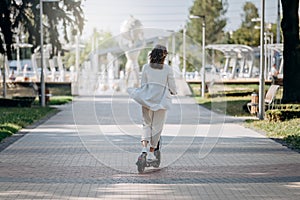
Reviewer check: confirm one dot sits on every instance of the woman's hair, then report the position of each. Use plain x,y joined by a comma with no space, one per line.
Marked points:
157,56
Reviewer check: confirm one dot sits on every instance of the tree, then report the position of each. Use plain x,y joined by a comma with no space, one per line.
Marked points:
291,51
103,39
5,27
250,12
26,14
215,22
247,34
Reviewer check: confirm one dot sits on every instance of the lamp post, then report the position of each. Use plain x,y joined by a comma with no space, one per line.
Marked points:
184,52
42,81
4,67
261,101
268,57
3,72
172,33
261,105
278,23
278,30
203,53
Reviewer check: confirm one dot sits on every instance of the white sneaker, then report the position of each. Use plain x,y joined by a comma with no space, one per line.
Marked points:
151,156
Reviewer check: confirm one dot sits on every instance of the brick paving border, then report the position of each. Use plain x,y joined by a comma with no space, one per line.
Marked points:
54,161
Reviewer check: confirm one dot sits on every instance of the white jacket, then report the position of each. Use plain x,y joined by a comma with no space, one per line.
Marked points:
157,85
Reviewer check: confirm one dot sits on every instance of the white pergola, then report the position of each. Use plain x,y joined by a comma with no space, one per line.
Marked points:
277,48
239,59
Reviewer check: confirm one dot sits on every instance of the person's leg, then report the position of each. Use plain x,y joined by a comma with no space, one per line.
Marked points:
158,121
147,122
273,80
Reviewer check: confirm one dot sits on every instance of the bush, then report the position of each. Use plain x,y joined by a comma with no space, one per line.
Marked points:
17,102
282,115
12,128
293,140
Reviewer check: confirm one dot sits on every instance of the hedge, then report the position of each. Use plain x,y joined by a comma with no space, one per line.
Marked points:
286,113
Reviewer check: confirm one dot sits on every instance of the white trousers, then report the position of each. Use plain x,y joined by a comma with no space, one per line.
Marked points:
153,122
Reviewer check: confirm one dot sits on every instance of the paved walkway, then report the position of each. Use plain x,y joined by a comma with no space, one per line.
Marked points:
89,149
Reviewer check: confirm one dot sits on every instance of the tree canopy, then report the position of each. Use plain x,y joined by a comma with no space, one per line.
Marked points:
249,31
23,17
215,21
247,34
99,40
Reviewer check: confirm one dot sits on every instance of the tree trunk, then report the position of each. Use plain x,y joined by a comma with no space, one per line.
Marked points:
5,27
291,51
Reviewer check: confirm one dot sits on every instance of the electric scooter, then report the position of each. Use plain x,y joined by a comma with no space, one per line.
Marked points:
142,161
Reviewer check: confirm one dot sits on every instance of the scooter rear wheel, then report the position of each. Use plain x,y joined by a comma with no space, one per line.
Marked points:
158,156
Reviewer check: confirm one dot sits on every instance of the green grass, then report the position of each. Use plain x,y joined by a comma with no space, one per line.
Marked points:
230,105
7,129
228,90
56,100
59,100
287,131
13,119
234,106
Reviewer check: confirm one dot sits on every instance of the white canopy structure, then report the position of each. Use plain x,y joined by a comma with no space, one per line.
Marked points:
279,49
238,59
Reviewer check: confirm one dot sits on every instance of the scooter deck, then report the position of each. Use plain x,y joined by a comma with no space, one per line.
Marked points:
142,162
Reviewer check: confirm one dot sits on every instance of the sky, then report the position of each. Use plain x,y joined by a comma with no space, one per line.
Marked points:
108,15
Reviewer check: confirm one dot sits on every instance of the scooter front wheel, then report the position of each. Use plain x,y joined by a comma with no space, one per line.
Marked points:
141,163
